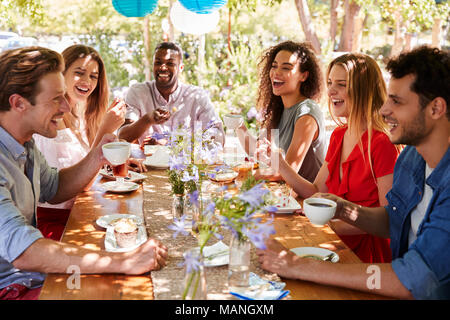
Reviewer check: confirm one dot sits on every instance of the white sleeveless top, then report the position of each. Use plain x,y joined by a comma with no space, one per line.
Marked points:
61,152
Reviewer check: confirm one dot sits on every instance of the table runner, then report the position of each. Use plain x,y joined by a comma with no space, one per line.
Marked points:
168,283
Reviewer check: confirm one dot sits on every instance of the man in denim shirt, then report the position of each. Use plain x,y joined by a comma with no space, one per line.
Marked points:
417,218
32,100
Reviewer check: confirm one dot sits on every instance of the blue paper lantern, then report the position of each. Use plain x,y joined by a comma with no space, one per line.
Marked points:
203,6
135,8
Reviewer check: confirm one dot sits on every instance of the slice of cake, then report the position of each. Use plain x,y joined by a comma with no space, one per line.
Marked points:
125,231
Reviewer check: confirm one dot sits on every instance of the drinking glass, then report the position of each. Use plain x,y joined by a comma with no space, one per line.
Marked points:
117,154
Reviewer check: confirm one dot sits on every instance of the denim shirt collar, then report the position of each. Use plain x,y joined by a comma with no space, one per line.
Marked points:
17,151
436,178
441,174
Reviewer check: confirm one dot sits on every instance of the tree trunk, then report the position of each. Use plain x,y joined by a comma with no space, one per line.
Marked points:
351,10
360,22
398,35
436,33
147,46
307,25
408,41
229,31
171,27
333,22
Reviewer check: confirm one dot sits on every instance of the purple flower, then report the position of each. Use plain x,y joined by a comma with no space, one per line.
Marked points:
179,226
270,209
193,198
159,136
254,196
259,233
252,113
187,177
178,162
191,261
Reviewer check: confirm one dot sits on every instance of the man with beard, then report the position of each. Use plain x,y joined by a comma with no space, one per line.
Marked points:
32,100
162,105
417,217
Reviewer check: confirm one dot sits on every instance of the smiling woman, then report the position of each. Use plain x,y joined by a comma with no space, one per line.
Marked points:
82,126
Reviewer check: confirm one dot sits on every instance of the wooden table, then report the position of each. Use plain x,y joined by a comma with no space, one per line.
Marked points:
292,231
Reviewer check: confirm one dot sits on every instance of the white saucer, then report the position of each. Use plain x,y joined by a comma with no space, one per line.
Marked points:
113,186
111,244
292,206
105,221
133,176
320,252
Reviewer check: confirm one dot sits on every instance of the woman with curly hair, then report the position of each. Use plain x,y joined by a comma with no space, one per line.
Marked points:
290,81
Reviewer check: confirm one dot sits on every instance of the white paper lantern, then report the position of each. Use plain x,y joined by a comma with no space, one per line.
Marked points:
189,22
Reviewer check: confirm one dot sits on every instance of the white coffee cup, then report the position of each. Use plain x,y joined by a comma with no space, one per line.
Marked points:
319,210
116,153
232,121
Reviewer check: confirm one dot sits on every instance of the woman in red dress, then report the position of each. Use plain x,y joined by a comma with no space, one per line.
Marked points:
360,159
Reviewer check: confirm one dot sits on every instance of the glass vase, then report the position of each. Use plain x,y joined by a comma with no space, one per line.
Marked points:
178,206
239,264
195,278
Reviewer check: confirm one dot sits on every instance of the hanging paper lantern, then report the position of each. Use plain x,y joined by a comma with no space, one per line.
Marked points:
203,6
189,22
135,8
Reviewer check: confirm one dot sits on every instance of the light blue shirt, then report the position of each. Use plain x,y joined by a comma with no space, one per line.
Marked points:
19,195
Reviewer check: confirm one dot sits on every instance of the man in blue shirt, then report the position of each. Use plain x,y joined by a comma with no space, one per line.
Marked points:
32,100
417,217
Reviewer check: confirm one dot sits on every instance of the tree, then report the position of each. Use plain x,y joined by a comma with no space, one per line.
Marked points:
307,25
11,10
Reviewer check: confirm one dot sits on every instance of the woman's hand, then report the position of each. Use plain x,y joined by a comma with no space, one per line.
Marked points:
114,117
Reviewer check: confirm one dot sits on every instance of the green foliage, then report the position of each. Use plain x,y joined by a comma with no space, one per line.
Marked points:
12,10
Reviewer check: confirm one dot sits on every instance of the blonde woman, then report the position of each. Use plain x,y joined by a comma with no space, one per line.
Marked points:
360,159
81,129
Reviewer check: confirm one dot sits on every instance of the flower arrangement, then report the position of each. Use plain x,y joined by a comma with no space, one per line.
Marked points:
235,212
191,151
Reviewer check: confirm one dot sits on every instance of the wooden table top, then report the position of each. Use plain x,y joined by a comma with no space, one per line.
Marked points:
81,229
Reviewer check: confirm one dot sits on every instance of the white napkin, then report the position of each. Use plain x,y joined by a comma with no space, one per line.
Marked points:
261,289
216,255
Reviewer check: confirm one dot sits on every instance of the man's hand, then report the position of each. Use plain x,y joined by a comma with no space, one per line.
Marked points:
278,259
342,205
150,256
152,141
159,116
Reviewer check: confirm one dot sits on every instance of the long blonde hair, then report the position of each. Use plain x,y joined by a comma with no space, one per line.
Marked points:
97,102
366,91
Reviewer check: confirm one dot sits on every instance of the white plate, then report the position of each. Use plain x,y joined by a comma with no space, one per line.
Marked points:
291,206
105,221
222,176
159,160
321,252
219,253
126,187
133,176
111,244
150,149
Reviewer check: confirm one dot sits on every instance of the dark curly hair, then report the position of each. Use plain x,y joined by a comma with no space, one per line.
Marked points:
431,68
272,105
